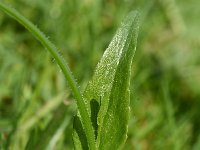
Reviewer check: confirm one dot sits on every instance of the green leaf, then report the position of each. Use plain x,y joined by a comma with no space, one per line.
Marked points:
107,94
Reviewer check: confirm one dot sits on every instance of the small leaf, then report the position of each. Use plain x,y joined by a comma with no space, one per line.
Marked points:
109,88
94,106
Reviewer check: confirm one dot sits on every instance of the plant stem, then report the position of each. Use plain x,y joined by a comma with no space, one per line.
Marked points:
64,67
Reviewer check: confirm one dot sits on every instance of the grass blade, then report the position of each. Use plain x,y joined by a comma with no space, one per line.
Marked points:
64,67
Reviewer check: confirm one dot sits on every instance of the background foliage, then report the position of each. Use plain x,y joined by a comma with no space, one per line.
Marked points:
36,107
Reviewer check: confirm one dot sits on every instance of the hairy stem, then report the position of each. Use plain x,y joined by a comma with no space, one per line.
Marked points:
64,67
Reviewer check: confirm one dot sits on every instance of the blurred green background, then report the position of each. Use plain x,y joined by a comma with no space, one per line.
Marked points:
36,105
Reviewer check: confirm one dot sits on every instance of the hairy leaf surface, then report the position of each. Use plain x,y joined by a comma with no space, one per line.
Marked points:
107,94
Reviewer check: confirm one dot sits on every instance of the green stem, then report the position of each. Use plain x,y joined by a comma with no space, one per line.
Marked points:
64,67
